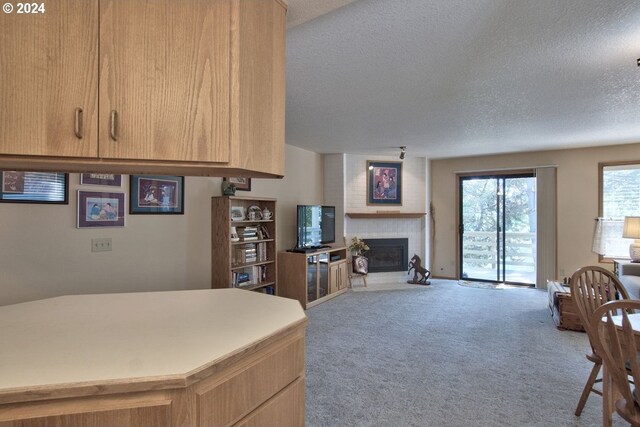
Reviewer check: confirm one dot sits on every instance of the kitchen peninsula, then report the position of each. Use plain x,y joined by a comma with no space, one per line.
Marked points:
199,357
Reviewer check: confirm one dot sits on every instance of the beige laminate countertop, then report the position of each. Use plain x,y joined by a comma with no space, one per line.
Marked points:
110,338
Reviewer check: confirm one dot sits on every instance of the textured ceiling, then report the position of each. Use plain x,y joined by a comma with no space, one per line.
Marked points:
463,77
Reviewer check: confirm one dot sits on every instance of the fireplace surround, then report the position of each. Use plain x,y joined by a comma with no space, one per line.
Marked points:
387,255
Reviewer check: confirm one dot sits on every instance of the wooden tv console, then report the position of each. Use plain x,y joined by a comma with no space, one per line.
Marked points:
313,277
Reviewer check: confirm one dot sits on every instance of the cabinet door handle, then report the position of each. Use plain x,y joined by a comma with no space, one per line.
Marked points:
113,127
78,123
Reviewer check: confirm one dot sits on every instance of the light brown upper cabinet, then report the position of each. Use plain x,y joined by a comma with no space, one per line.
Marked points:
188,87
49,80
258,85
164,80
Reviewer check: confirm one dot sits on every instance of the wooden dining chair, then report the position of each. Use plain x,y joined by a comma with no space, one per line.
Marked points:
591,287
616,343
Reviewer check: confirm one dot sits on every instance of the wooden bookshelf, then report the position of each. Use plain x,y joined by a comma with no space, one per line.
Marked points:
228,263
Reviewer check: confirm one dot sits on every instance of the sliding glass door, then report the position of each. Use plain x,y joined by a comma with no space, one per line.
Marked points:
498,228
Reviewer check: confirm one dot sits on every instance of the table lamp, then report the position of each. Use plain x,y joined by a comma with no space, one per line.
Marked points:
632,231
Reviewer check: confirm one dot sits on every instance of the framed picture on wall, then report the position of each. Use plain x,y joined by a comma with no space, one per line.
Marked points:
156,194
384,183
104,179
100,209
242,184
34,187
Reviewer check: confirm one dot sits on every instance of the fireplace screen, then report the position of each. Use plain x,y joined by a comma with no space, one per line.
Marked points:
387,255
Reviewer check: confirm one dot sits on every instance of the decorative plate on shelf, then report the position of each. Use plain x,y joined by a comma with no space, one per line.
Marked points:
254,213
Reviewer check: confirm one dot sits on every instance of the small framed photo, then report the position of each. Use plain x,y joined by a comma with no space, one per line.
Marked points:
156,194
100,209
237,213
384,183
242,184
34,187
104,179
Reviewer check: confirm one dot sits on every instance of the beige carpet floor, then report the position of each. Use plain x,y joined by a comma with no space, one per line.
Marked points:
383,282
444,355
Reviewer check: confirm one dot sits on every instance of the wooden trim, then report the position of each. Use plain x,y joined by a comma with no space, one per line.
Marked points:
326,297
601,166
382,215
497,172
132,167
250,199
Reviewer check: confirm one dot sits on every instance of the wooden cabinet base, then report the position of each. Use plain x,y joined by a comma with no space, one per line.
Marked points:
328,297
313,277
565,313
262,386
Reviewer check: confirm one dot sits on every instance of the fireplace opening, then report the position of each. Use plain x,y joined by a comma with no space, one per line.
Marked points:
387,255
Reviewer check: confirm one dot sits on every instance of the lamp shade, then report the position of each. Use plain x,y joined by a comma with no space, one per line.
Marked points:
631,230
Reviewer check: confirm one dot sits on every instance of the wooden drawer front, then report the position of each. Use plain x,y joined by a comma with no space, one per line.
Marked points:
240,394
101,411
286,409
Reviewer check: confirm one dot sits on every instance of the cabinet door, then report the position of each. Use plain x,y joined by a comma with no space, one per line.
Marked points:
342,276
164,80
333,278
312,278
49,68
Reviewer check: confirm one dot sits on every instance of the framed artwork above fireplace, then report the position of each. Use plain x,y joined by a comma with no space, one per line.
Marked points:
384,183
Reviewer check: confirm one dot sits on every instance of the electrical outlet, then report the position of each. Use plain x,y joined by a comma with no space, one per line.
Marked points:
100,245
561,272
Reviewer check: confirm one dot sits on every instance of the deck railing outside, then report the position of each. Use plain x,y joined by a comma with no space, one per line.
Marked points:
480,255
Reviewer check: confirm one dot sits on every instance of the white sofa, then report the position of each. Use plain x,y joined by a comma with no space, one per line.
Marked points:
629,275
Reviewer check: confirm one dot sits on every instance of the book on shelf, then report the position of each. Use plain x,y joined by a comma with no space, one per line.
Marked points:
251,275
261,251
244,254
240,279
247,233
264,230
269,290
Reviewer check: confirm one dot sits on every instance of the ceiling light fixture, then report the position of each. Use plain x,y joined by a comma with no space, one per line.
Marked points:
403,150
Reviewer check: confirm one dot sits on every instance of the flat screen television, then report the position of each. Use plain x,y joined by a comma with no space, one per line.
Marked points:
316,225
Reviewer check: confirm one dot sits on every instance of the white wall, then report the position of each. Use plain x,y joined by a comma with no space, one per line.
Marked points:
303,184
334,189
43,255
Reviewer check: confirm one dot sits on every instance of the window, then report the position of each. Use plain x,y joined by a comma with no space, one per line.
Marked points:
619,197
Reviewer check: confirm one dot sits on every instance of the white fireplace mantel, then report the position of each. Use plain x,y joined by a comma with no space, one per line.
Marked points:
381,215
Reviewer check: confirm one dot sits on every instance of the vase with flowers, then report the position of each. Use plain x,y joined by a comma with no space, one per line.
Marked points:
359,261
